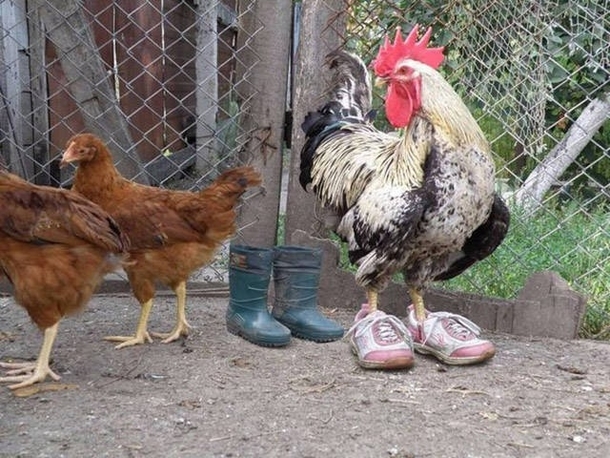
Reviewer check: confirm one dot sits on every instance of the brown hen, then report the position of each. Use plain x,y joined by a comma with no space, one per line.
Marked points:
172,233
56,249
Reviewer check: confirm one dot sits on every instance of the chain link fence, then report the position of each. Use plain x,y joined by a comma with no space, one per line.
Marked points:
165,72
171,84
536,75
161,81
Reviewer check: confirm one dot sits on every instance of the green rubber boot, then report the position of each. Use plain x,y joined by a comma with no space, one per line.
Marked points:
296,274
247,315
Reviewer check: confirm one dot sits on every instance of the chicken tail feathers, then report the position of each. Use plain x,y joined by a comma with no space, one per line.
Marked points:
349,100
350,83
483,241
230,185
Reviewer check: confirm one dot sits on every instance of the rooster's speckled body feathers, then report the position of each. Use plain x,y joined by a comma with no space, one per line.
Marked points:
419,201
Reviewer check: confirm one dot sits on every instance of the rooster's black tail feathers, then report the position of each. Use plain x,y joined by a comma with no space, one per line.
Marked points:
350,83
349,95
349,100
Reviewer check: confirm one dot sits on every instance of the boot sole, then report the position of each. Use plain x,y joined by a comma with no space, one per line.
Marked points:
325,339
269,343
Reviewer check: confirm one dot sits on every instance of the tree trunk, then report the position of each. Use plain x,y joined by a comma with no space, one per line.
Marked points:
321,31
263,56
67,28
207,83
530,195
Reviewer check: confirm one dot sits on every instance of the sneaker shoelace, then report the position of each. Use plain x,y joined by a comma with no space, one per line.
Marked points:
387,328
457,325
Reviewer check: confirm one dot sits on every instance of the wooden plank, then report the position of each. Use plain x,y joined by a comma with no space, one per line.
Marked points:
16,104
4,119
100,15
263,56
140,67
321,29
86,78
170,167
65,117
207,107
180,81
40,110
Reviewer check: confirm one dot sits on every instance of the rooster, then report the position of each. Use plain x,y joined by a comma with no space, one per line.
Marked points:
172,233
419,201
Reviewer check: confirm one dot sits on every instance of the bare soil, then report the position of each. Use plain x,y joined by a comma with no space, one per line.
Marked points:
216,395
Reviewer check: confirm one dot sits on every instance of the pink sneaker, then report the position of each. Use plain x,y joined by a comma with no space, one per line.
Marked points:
380,341
451,338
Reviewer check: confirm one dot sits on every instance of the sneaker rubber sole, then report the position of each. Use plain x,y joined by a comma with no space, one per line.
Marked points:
454,361
400,362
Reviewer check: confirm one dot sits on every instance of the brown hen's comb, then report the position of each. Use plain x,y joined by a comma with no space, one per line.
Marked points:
390,53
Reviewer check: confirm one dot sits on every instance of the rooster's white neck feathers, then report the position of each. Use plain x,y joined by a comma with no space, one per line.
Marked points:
446,111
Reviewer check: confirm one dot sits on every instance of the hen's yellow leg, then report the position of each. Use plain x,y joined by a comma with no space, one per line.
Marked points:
141,335
418,304
372,297
182,327
29,373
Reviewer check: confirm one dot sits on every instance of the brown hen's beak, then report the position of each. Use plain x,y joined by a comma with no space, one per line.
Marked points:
68,157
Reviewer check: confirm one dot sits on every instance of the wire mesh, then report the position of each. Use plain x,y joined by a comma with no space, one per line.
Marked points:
167,86
533,74
157,80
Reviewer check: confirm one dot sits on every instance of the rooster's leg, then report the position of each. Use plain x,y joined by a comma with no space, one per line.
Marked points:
142,335
182,327
33,372
418,304
371,295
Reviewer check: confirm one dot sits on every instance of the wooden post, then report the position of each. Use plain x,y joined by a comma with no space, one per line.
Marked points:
321,31
40,111
88,82
263,56
206,65
15,102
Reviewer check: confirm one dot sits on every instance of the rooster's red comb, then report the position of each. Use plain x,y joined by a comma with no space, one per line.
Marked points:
390,53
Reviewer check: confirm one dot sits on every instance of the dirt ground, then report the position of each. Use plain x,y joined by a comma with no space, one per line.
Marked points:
216,395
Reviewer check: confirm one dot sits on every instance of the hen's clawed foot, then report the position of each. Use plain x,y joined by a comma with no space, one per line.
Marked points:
181,329
26,374
129,341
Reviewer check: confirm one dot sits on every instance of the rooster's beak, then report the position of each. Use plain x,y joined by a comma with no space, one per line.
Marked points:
380,81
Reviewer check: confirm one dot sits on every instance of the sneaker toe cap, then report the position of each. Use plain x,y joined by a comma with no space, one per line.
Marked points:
388,359
480,352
